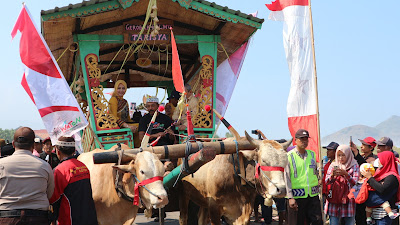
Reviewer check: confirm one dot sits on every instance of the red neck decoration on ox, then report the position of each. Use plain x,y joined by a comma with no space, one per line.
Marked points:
143,183
267,168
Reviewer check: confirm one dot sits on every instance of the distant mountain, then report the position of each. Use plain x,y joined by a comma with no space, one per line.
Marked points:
389,128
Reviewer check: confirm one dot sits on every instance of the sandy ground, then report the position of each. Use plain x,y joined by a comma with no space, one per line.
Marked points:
173,219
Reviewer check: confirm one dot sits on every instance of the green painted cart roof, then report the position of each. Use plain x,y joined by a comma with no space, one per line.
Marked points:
63,11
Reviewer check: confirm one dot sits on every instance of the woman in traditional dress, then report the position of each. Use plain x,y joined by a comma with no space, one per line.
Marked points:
119,106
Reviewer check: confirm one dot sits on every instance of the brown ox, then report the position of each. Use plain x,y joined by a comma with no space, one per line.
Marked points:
110,208
218,192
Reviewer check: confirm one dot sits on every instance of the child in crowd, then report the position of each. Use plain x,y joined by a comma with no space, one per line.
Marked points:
374,200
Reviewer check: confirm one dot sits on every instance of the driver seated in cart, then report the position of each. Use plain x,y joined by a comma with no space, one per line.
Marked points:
119,106
162,128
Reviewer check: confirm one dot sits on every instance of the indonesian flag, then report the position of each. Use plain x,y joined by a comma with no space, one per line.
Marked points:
176,66
301,106
45,83
178,80
228,74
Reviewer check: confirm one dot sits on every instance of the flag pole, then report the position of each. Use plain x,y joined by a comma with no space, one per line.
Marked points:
316,84
317,104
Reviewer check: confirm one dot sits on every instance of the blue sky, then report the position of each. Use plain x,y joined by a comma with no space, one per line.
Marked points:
357,52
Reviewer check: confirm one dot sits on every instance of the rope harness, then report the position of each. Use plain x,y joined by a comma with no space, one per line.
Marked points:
122,194
143,184
188,152
261,169
258,170
237,172
118,187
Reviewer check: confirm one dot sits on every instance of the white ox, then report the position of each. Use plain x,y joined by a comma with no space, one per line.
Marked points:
218,192
110,208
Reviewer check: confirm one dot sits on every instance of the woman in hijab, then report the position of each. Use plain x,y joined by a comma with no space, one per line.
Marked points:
119,107
344,167
386,182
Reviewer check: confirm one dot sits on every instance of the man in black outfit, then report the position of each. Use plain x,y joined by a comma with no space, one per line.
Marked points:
160,128
367,151
367,147
48,155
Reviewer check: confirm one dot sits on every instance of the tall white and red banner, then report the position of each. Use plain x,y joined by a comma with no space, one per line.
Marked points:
45,83
302,102
227,75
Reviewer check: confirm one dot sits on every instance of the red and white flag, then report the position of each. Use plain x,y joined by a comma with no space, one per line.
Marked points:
301,106
228,74
176,66
45,83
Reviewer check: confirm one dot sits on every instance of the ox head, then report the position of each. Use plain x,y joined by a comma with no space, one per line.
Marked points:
147,166
272,159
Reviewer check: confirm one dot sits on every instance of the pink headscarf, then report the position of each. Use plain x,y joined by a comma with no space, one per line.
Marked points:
350,161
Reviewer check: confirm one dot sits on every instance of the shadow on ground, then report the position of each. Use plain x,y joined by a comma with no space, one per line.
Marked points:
172,219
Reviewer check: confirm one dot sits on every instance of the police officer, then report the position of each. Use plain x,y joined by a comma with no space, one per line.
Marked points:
302,183
26,183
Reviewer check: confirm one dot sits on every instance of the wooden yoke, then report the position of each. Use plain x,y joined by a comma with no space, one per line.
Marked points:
172,151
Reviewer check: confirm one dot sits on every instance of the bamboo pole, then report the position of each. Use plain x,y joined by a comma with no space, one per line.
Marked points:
174,151
317,104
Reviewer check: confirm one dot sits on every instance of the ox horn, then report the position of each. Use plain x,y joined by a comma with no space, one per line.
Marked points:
227,125
287,144
130,155
252,140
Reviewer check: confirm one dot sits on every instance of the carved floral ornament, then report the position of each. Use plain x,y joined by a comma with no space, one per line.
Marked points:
203,119
99,102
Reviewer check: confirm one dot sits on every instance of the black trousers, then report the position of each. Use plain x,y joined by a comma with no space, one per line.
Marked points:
309,212
361,216
24,220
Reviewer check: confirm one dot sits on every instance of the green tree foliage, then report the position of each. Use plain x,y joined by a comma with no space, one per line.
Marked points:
228,135
7,134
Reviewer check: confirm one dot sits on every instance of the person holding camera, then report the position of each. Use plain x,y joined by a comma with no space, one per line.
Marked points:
343,172
26,183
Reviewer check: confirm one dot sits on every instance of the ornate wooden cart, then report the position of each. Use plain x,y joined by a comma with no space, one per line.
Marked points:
98,42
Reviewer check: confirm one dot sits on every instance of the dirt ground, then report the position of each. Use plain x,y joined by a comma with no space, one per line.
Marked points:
173,219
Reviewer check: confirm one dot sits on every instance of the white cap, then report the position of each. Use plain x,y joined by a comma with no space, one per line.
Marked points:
152,99
65,144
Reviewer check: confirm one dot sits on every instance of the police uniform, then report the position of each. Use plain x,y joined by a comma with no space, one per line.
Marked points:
26,184
302,185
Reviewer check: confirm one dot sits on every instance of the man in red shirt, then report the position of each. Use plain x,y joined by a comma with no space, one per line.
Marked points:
330,153
72,198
